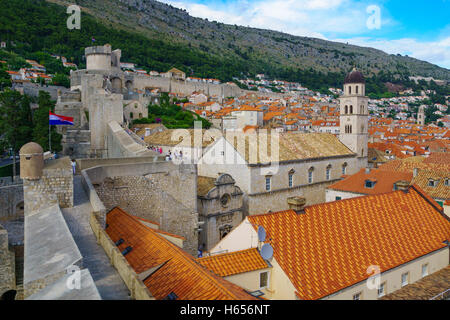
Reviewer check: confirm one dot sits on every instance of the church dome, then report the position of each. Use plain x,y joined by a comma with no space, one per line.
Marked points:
354,77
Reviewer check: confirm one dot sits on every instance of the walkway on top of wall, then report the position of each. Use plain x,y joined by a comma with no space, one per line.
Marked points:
106,278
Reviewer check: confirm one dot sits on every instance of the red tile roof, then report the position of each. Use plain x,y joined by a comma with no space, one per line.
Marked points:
384,181
330,246
227,264
178,272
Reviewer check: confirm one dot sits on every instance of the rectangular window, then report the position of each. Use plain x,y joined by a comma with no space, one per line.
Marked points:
382,290
338,198
405,277
424,270
291,180
268,183
328,175
344,170
263,279
357,296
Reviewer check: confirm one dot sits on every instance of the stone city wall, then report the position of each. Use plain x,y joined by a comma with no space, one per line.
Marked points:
11,201
144,197
137,288
159,191
120,144
55,186
7,264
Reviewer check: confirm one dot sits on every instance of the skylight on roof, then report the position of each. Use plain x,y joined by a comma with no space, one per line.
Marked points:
171,296
127,250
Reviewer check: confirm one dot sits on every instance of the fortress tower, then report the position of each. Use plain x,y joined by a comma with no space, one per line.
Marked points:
354,115
98,58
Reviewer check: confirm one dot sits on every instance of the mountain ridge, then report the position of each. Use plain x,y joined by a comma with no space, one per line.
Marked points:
161,21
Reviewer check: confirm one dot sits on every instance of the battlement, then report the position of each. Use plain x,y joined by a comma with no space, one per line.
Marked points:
106,49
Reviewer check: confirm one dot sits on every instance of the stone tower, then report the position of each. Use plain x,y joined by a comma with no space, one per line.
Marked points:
421,116
354,116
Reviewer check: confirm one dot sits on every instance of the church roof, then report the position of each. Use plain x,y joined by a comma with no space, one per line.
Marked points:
204,185
354,77
292,147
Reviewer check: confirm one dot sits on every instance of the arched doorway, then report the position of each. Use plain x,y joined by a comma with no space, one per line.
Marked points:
9,295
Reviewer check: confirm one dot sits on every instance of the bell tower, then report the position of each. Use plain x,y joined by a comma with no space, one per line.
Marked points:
421,116
354,116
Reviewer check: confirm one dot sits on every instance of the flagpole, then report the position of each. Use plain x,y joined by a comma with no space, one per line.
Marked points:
49,137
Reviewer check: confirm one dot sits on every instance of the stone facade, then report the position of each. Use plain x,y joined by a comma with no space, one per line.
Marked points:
7,264
220,210
11,202
160,194
252,180
55,186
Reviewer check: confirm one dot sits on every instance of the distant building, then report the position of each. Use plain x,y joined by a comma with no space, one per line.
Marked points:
421,116
367,182
175,74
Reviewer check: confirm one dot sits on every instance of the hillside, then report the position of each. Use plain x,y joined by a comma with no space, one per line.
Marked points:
158,37
158,20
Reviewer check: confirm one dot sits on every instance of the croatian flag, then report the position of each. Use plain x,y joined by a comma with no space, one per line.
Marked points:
55,119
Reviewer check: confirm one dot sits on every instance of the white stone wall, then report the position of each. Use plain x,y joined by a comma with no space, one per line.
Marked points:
330,195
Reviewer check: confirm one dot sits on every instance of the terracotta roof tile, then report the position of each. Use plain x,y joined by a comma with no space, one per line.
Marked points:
384,181
227,264
330,246
179,272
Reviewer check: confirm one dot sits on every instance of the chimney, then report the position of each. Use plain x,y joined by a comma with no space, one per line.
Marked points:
296,203
402,185
415,172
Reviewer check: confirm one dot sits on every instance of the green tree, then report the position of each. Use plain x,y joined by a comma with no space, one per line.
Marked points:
5,79
15,121
41,126
61,80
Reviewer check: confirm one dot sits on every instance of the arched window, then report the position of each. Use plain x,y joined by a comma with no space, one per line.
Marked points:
362,128
357,89
361,110
311,175
349,89
344,168
291,178
351,109
346,109
328,173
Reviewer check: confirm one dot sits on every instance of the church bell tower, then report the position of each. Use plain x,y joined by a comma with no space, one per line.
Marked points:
354,116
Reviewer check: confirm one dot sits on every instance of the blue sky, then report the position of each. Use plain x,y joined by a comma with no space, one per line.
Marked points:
418,28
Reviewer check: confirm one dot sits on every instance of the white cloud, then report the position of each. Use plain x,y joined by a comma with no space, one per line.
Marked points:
436,52
325,19
297,17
